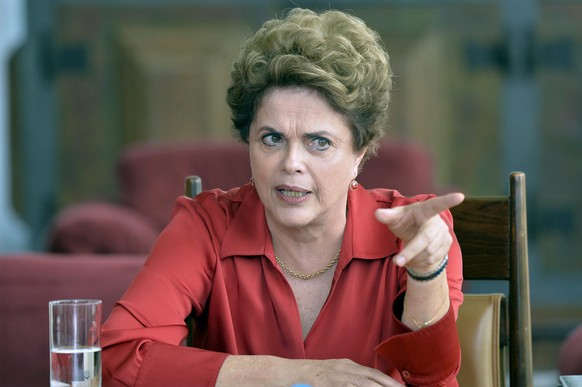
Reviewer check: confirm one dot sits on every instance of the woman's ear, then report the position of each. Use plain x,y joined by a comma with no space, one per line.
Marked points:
358,162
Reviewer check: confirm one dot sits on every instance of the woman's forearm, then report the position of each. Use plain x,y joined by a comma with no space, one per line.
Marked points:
263,370
425,302
250,371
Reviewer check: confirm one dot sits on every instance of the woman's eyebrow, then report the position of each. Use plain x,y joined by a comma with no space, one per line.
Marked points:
319,133
269,129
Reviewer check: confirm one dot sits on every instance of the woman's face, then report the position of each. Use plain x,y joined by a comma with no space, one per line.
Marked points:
302,158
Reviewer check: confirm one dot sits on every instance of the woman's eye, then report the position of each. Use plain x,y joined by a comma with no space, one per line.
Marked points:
320,143
272,139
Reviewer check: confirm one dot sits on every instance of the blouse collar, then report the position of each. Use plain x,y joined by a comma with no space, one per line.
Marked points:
364,237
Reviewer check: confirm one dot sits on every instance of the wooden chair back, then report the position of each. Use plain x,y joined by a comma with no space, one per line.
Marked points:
192,187
492,233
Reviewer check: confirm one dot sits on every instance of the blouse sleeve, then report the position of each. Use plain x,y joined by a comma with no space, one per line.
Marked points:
430,356
142,338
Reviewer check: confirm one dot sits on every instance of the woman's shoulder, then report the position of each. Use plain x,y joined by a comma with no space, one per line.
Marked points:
215,201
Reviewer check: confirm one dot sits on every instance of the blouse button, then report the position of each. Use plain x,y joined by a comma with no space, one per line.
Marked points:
406,374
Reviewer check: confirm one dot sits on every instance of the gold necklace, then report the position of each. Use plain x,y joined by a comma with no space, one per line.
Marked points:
312,275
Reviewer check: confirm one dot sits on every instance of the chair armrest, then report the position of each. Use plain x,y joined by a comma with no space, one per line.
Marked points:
101,228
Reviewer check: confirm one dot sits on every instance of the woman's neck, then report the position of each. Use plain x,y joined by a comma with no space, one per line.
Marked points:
307,249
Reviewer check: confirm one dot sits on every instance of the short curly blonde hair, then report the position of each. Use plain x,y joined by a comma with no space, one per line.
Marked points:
331,52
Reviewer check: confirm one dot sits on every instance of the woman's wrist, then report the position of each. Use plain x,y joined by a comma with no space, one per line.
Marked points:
425,301
423,277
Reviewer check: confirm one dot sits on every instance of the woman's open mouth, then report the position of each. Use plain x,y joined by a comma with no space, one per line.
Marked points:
292,194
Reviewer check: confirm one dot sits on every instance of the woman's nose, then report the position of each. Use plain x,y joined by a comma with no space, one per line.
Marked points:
293,159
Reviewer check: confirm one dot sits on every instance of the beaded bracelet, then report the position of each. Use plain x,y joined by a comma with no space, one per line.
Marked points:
433,274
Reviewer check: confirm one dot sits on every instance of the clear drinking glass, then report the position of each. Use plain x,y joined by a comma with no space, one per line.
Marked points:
75,343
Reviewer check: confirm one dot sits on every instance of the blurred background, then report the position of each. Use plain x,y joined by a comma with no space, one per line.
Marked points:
488,87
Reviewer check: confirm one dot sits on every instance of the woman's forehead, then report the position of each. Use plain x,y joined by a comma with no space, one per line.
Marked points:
299,101
302,110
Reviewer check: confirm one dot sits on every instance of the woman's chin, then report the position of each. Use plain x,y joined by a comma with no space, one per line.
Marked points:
294,218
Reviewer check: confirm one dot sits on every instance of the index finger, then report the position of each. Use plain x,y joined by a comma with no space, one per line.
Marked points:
435,206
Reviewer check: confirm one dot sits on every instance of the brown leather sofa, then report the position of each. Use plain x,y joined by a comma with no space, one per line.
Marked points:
151,176
28,282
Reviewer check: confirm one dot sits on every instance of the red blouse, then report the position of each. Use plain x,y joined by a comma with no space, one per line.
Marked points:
216,259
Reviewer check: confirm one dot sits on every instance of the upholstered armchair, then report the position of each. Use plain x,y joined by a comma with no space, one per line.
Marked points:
150,177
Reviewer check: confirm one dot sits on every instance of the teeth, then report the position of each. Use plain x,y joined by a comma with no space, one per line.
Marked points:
293,193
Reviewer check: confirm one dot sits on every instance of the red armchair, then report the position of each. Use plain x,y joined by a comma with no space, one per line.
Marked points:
151,177
570,354
28,281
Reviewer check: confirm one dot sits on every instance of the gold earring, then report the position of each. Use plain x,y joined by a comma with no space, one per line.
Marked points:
354,184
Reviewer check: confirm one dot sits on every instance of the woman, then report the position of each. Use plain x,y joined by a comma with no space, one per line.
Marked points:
302,275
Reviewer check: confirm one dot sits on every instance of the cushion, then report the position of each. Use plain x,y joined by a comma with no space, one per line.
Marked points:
479,328
151,176
404,166
102,228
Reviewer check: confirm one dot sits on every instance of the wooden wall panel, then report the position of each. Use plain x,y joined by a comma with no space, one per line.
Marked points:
174,80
